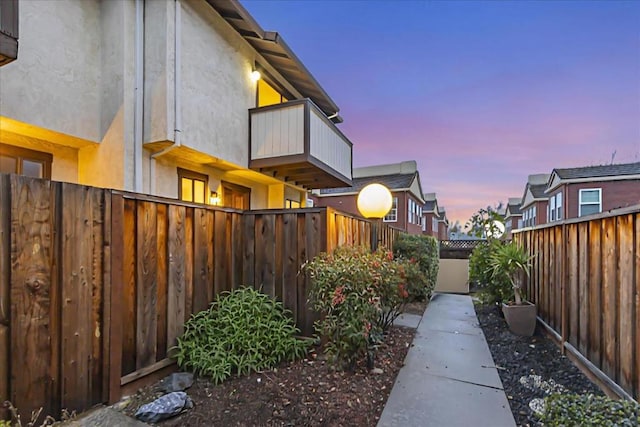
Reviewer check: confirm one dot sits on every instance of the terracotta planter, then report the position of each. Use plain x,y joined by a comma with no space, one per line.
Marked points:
520,318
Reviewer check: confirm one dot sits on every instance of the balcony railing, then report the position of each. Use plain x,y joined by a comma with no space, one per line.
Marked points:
296,142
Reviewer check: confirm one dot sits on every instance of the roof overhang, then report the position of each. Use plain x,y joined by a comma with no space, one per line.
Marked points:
554,184
272,47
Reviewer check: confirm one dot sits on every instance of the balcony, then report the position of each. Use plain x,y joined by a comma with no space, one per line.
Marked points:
8,31
294,141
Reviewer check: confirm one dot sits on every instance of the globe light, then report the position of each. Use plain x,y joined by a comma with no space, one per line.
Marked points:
255,75
374,201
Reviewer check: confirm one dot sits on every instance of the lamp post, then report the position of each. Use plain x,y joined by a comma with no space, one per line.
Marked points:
374,202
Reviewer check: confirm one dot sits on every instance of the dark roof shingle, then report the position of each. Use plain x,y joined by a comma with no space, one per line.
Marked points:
599,171
392,182
538,191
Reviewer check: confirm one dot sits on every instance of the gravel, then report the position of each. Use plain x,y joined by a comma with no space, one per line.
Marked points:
529,367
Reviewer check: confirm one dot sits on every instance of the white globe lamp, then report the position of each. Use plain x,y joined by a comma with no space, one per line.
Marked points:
374,201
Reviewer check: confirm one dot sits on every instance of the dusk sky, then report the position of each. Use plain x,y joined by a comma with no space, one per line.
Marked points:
480,94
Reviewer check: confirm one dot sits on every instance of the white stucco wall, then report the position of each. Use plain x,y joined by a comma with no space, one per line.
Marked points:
53,82
216,89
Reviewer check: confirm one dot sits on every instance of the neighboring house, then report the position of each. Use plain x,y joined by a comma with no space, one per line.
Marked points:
534,201
512,216
577,192
402,179
443,224
430,220
186,99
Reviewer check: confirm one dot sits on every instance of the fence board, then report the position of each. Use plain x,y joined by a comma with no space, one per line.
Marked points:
176,281
279,262
236,235
249,247
202,285
595,292
31,292
161,278
264,253
290,262
129,321
625,301
573,269
304,277
188,263
609,298
559,273
222,253
637,304
5,288
114,328
147,289
583,286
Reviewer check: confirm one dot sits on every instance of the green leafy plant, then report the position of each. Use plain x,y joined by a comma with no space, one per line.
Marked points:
495,289
589,410
509,262
341,291
425,251
359,294
242,331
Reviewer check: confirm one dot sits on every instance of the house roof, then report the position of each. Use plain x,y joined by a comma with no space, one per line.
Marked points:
513,209
393,182
538,190
272,47
429,206
599,171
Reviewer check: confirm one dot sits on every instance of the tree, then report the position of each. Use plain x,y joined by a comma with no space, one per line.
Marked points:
483,223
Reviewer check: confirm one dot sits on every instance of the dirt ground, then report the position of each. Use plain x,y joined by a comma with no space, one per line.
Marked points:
308,392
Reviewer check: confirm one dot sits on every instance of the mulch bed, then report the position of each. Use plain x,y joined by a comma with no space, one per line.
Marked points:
308,392
519,357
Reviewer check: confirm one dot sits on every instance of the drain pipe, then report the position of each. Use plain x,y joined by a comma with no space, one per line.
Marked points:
177,97
138,98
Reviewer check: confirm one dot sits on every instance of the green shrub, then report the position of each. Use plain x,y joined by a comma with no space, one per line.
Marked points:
242,331
426,252
359,294
497,288
589,410
508,263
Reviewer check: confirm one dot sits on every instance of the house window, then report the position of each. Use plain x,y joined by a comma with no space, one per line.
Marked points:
559,206
236,196
552,208
533,216
590,201
434,224
192,186
392,216
291,204
21,161
268,95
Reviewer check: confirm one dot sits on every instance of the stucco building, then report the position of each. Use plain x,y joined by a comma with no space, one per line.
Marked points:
187,99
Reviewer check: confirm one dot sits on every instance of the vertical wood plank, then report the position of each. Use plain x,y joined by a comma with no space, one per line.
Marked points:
98,254
625,279
315,228
176,281
161,279
202,291
573,304
303,278
278,259
5,288
212,254
609,298
222,253
583,286
117,304
560,273
31,278
236,242
265,254
188,263
248,251
554,284
595,291
129,320
290,242
147,292
636,394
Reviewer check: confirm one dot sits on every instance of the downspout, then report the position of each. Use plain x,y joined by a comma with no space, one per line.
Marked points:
177,97
139,97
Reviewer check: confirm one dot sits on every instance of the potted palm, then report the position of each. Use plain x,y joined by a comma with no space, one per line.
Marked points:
511,262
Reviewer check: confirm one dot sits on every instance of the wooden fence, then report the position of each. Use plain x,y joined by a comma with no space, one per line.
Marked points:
585,282
96,284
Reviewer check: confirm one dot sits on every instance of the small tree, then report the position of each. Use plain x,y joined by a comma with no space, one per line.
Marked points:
510,261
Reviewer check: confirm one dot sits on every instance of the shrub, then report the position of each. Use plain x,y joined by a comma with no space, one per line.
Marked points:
497,288
589,410
426,252
358,294
242,331
508,262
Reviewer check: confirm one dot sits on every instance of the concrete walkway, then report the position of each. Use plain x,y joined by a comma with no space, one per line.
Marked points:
449,378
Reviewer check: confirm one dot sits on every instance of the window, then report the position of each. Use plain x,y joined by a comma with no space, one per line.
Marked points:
236,196
434,224
414,212
392,216
291,204
590,201
192,186
268,95
533,216
559,206
25,162
552,208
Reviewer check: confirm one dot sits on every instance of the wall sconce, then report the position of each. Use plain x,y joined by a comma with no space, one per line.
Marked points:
214,199
255,75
